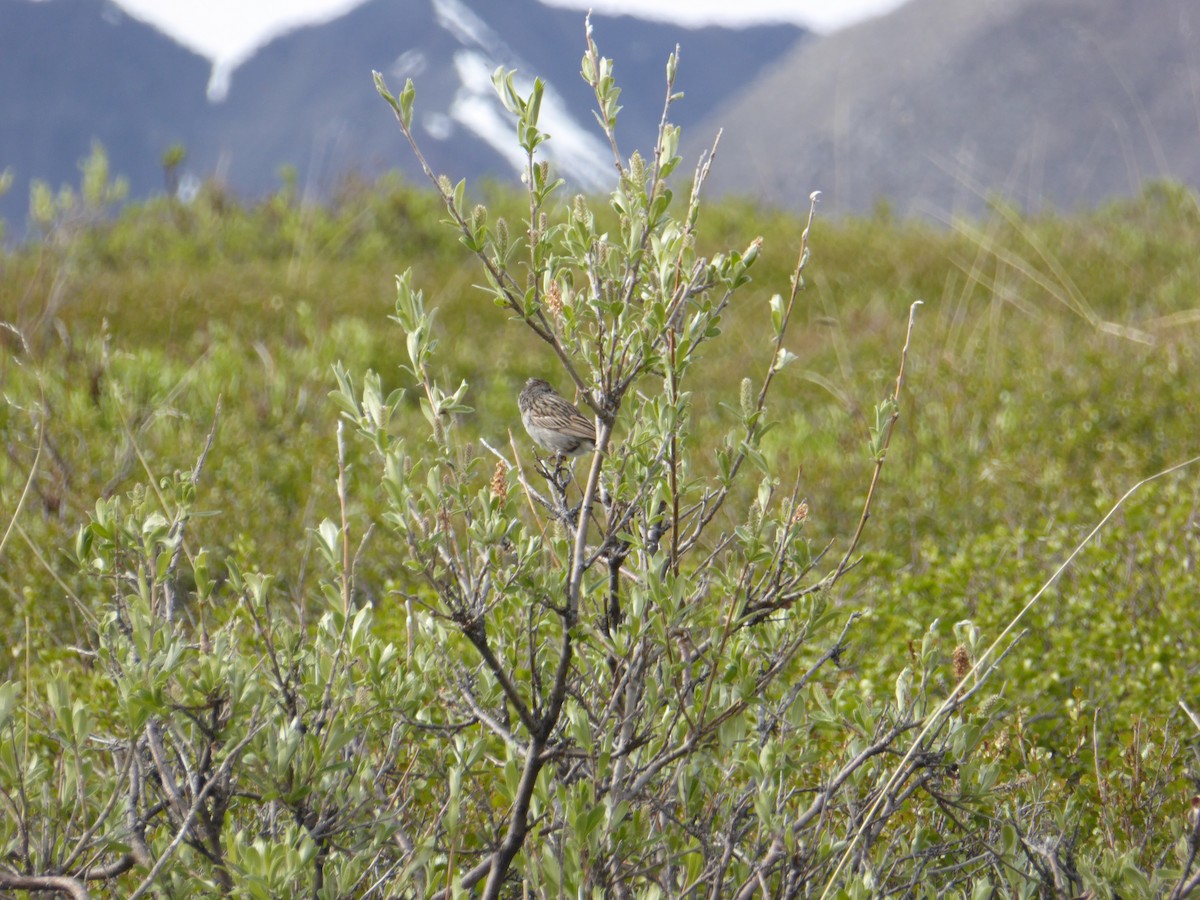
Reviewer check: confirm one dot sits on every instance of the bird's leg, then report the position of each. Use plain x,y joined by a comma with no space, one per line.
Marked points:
559,478
564,472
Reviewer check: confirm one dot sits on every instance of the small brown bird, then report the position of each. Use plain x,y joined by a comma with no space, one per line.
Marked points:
554,422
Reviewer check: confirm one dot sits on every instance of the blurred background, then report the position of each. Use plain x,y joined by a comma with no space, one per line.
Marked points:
928,107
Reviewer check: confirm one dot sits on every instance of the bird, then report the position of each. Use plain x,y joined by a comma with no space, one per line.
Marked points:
554,423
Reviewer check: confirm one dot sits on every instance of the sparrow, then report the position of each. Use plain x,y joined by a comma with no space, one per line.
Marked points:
553,422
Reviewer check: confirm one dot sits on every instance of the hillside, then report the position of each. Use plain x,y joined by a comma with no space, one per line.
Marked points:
1049,103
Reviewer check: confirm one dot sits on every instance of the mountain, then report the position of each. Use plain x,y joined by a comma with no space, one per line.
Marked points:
307,98
1060,103
74,70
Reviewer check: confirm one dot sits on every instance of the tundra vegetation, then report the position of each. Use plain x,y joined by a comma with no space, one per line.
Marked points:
295,608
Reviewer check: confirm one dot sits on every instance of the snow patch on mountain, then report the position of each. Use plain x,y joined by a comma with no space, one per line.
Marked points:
580,155
459,19
409,64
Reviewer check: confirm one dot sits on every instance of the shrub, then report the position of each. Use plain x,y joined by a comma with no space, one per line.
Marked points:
630,675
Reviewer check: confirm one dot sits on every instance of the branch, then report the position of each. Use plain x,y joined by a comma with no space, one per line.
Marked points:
518,823
504,282
752,425
479,641
882,454
86,837
697,734
201,796
500,861
778,849
72,887
180,524
956,701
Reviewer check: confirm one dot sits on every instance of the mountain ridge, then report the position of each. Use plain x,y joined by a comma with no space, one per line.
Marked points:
306,99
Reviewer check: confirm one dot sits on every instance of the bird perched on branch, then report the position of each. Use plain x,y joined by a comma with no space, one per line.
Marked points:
553,422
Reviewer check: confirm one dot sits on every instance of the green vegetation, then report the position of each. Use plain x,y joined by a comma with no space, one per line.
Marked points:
273,611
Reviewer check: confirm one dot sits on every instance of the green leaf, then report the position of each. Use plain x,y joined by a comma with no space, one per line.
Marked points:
1008,840
783,358
904,683
8,698
331,538
382,88
407,96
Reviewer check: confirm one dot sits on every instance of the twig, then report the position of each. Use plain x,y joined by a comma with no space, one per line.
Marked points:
753,420
180,524
502,278
37,457
1101,787
1191,715
882,455
201,795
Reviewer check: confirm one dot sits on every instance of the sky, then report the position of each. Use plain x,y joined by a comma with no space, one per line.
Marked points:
228,31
